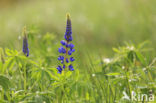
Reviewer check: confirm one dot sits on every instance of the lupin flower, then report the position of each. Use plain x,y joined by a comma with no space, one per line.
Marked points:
25,43
66,49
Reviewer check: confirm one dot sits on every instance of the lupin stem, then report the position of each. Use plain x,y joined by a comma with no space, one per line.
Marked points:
66,57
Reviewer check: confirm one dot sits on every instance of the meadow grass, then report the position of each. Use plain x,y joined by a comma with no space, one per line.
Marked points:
35,79
106,68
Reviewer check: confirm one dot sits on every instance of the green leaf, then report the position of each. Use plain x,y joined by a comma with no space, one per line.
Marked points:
11,52
116,50
141,58
112,74
9,64
68,74
53,76
131,56
1,66
141,45
5,82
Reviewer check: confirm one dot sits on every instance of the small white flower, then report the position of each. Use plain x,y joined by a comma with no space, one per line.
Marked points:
144,69
130,48
107,60
93,75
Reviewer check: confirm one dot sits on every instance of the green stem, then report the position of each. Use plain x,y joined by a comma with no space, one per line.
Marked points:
8,96
33,85
2,94
128,84
25,79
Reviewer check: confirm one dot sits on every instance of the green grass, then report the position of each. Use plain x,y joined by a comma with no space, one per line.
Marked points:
35,79
115,51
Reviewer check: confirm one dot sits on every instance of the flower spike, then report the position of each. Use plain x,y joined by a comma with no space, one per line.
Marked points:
25,42
66,49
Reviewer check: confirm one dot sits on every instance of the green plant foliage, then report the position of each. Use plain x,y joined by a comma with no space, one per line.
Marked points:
4,82
35,79
106,70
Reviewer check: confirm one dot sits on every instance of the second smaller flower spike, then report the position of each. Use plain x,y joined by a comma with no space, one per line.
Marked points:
25,42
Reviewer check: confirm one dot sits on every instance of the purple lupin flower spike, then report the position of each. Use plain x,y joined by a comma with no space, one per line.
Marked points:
66,49
25,43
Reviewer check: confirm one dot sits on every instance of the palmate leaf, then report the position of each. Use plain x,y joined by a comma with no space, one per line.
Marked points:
40,72
5,82
11,52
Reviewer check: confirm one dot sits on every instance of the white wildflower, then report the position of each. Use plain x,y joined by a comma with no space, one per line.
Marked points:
130,48
107,60
93,75
123,67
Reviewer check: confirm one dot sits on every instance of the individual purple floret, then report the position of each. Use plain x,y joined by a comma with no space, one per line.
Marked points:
59,68
71,67
62,50
72,59
63,42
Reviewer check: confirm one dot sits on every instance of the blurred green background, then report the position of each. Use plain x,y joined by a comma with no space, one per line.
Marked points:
98,25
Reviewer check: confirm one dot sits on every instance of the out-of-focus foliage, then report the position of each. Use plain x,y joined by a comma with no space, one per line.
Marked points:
101,75
97,24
